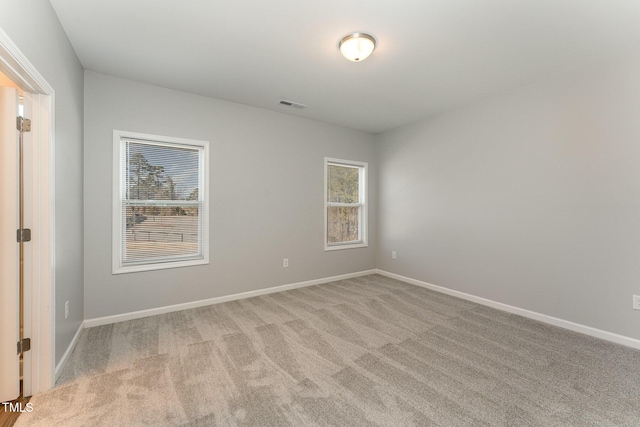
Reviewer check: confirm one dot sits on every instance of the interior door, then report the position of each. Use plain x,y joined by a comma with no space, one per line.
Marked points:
9,247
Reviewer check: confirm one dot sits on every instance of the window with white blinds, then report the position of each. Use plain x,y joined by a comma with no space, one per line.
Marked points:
160,217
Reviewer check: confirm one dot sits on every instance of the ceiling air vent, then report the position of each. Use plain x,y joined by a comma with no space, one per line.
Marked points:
292,104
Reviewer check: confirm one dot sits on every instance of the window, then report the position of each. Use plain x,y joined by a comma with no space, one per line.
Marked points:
160,202
345,204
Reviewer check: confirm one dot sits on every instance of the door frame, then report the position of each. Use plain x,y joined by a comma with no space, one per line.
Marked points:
40,289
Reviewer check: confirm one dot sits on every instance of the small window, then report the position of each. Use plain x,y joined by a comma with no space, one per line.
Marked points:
160,202
345,204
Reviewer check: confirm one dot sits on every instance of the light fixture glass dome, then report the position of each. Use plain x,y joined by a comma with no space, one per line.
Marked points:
357,46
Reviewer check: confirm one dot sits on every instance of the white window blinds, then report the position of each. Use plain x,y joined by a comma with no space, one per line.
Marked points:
162,203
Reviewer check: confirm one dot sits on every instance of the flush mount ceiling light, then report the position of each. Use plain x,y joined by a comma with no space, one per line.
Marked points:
357,46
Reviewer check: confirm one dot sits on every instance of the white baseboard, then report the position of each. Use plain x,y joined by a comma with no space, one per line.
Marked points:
576,327
98,321
65,357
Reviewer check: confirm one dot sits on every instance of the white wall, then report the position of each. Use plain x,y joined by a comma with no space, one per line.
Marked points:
531,198
35,29
266,195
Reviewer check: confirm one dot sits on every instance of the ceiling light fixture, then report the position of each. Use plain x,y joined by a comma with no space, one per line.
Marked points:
357,46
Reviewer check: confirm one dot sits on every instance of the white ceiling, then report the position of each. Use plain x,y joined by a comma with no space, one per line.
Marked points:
432,55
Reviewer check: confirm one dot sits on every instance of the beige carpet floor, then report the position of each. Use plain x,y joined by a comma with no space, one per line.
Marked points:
361,352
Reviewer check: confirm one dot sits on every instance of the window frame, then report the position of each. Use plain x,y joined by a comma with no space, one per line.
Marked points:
362,167
120,138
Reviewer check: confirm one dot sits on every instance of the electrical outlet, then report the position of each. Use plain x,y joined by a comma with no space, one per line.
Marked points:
636,302
66,310
285,262
393,254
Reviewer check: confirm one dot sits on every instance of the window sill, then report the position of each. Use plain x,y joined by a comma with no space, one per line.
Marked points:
117,269
336,247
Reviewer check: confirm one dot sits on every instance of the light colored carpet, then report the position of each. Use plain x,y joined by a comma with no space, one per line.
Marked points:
360,352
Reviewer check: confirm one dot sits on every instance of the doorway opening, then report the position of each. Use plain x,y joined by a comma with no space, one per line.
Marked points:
36,322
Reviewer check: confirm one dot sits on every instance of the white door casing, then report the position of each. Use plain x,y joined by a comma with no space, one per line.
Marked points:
39,323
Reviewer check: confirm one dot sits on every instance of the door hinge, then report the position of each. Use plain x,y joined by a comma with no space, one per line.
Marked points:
23,125
24,235
24,345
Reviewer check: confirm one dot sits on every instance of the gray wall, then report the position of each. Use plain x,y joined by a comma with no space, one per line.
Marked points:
530,198
35,29
266,195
